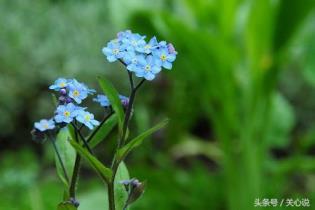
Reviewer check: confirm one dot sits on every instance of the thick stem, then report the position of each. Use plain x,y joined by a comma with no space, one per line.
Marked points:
75,176
111,195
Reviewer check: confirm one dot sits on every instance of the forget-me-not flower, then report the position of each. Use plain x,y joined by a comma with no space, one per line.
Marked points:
148,47
165,58
87,119
114,50
59,84
78,91
44,125
66,113
148,68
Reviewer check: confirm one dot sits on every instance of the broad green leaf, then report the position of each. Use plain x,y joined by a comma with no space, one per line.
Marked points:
104,172
66,206
71,131
121,194
67,154
123,152
113,97
104,130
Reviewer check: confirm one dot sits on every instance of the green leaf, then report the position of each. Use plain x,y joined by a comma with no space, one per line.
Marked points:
113,97
104,130
104,172
67,154
66,206
121,194
123,152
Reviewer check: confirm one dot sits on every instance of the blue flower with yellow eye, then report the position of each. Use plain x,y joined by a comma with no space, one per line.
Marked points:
165,57
148,47
133,41
87,119
114,50
78,91
44,125
66,113
148,67
59,84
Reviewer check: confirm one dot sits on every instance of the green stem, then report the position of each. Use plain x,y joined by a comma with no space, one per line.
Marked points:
98,127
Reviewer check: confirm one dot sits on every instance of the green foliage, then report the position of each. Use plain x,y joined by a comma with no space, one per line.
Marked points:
124,151
104,130
67,154
112,95
104,172
66,206
121,194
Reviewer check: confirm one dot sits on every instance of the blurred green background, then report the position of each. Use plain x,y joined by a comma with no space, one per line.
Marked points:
240,98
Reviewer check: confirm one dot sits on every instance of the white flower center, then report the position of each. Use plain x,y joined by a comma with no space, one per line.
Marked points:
147,68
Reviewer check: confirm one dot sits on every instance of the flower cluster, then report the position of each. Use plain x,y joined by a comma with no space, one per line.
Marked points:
145,59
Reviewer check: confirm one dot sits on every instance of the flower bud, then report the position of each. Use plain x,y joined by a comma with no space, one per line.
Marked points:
63,91
68,100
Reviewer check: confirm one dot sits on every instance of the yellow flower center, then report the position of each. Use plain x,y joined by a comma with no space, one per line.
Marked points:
147,67
62,84
163,57
46,125
115,51
76,93
147,46
66,113
87,117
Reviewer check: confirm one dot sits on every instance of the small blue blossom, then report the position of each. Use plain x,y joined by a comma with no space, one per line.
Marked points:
114,50
133,41
164,56
148,47
79,91
87,119
103,100
59,84
133,61
44,125
66,113
148,68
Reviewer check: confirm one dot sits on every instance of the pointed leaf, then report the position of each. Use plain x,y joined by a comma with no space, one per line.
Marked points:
67,154
113,97
104,172
123,152
121,194
103,131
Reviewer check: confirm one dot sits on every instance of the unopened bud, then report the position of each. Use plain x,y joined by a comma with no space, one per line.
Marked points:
63,91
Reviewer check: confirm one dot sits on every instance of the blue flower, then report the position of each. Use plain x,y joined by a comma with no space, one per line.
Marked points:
103,100
114,50
133,41
164,57
148,47
87,119
132,60
79,91
148,68
66,113
59,84
44,125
